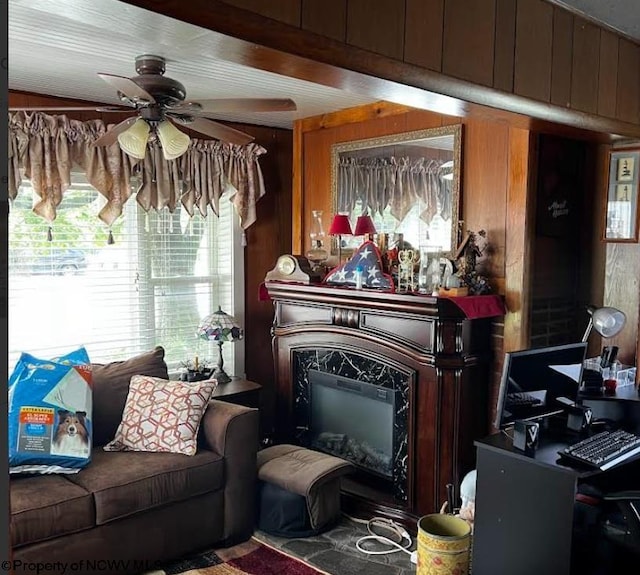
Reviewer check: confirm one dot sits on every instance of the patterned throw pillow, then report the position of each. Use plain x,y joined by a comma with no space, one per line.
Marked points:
162,415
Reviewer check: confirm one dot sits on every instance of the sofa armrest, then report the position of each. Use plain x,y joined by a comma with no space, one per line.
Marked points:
232,431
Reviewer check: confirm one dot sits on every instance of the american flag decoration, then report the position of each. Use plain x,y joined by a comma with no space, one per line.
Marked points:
368,258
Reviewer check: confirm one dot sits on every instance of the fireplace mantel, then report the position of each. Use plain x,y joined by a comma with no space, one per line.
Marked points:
445,357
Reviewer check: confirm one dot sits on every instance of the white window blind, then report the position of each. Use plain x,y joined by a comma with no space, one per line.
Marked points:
151,287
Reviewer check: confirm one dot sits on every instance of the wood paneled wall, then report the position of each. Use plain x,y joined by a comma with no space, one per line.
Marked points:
528,48
622,290
617,281
267,238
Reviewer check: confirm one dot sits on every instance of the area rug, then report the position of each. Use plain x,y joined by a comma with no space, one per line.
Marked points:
250,558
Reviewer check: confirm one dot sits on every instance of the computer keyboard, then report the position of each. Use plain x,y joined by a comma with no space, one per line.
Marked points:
604,450
522,398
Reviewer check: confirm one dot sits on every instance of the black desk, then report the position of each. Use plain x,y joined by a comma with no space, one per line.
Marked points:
623,406
623,393
525,506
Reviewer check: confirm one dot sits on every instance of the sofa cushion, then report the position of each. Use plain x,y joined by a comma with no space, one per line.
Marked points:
48,506
128,482
162,415
111,386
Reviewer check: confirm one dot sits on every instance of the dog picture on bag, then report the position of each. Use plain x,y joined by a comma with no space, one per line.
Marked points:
70,435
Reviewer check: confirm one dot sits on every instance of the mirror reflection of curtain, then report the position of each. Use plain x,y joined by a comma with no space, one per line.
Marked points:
393,182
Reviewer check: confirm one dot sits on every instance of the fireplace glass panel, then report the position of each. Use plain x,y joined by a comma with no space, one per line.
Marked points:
353,420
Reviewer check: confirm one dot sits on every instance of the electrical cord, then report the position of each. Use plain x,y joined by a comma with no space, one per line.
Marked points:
398,531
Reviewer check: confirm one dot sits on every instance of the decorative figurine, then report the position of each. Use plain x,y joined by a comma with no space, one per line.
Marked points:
408,260
466,260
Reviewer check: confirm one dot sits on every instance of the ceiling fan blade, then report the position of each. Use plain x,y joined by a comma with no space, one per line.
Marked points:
111,109
213,129
206,107
129,88
64,109
111,136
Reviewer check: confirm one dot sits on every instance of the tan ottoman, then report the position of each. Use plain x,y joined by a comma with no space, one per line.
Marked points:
298,490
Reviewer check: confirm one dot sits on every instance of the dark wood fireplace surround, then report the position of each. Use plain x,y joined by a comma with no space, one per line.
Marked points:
445,355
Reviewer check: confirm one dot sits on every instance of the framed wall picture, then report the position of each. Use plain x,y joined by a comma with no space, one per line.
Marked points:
622,216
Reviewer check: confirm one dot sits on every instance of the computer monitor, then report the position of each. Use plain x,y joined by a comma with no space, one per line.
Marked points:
532,379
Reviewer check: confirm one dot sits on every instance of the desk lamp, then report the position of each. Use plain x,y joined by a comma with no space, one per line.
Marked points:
220,326
607,321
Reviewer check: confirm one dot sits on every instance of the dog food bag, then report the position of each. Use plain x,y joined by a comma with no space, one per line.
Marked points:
50,414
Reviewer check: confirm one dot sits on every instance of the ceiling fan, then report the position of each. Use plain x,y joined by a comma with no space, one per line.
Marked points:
160,103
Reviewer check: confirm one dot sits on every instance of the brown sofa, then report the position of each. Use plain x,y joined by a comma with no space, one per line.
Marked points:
127,512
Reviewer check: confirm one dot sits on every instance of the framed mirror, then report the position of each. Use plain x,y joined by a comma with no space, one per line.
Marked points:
408,183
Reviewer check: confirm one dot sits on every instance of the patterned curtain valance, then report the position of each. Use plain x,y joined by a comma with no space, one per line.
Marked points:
47,148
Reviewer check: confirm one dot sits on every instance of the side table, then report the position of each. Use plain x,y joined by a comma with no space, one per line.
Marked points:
240,391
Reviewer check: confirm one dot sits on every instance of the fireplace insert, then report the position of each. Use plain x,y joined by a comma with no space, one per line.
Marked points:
353,420
352,405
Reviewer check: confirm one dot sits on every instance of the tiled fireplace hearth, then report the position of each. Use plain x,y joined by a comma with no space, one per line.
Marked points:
396,383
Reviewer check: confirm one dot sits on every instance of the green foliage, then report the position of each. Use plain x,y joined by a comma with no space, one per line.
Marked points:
76,222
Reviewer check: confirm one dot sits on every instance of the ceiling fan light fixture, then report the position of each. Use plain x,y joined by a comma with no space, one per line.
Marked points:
133,141
174,142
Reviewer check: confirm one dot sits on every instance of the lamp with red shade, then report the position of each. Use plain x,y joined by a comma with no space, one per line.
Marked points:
340,226
365,227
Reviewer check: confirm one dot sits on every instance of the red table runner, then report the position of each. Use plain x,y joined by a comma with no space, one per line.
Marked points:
479,306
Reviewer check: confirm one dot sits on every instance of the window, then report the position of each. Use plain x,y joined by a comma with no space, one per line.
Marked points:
151,287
